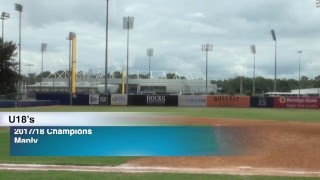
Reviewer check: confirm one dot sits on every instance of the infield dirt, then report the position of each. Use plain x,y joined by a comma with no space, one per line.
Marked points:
281,145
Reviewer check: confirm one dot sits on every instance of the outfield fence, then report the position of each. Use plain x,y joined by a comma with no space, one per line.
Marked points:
167,100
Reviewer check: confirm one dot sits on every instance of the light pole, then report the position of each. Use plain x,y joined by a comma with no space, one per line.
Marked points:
207,47
106,61
4,16
299,52
70,37
19,8
43,49
29,65
128,24
149,53
273,34
253,51
69,71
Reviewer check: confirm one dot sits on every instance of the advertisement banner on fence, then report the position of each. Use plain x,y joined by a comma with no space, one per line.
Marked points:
119,100
261,102
228,101
93,99
103,99
192,101
297,102
153,100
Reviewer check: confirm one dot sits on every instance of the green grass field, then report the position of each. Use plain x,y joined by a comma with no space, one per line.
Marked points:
304,115
257,114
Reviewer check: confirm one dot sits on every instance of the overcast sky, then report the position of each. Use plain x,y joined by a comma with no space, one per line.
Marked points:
175,29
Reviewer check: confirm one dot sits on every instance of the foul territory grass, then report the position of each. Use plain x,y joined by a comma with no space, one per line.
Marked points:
30,175
304,115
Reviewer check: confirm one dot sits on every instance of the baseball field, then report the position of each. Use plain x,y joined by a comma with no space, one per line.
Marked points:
285,144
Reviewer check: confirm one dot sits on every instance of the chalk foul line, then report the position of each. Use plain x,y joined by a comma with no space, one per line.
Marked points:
248,171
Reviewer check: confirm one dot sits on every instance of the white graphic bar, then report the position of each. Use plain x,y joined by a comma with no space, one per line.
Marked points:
8,119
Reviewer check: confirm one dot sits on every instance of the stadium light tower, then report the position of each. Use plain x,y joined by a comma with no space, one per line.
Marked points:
299,52
4,16
71,35
253,51
19,8
149,53
70,38
318,3
43,49
128,24
207,47
106,54
273,34
29,65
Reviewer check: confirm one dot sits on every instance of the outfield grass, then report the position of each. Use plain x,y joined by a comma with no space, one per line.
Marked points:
31,175
305,115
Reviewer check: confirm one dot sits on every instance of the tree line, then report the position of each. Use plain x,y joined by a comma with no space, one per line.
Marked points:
263,85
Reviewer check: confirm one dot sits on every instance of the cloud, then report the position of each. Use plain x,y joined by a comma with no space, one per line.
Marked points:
176,30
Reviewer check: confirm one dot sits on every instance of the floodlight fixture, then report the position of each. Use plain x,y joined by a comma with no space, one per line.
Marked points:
207,47
18,7
44,47
253,49
128,22
273,34
72,34
4,16
150,52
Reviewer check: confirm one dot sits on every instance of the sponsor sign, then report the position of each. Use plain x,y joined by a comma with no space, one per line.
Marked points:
228,101
261,102
103,99
192,101
297,102
93,99
119,100
155,100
